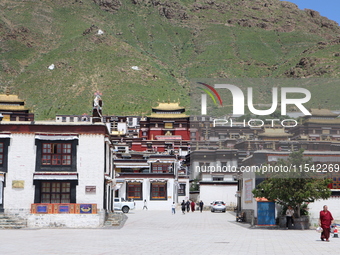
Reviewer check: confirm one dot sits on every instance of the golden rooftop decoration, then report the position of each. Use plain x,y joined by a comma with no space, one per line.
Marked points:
168,106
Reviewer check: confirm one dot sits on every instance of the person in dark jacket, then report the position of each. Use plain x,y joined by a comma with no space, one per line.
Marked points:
188,205
183,206
201,204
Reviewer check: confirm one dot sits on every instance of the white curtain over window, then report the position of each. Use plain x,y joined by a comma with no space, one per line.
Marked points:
56,137
5,135
55,176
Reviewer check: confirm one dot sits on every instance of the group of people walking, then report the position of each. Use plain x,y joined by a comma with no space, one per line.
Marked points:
186,206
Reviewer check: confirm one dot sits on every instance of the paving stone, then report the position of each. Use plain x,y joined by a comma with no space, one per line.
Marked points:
160,232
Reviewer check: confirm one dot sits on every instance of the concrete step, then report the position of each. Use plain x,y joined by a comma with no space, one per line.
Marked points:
11,227
11,222
115,219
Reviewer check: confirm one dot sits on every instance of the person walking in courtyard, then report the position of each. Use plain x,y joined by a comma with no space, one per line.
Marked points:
201,204
289,216
325,221
183,206
145,205
173,208
188,205
193,206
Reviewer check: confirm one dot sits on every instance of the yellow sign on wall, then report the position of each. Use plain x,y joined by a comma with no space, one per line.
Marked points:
168,125
7,117
18,184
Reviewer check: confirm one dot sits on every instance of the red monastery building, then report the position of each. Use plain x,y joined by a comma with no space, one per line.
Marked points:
165,129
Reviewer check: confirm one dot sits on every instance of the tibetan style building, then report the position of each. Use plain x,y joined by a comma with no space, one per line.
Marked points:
13,109
149,167
53,174
322,125
167,121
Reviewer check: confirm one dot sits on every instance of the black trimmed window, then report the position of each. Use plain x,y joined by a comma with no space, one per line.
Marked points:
158,191
55,192
56,154
134,191
218,178
181,189
4,143
1,153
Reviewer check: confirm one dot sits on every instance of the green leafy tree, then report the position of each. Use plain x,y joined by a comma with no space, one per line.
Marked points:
195,185
296,187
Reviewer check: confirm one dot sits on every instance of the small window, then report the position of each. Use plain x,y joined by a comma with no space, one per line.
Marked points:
217,178
181,189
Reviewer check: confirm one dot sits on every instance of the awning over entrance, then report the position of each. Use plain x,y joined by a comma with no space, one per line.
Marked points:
55,176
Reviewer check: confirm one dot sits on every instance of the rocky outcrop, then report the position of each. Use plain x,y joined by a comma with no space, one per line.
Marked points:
109,5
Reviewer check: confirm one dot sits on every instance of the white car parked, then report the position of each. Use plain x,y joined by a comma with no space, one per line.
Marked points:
218,205
122,205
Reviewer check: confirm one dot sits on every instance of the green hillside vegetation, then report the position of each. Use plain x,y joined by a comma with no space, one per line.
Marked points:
174,44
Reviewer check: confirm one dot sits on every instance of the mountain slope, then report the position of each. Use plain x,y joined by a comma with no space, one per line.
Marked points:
170,42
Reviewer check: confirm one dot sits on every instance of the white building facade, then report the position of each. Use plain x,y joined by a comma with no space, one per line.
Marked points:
216,172
56,174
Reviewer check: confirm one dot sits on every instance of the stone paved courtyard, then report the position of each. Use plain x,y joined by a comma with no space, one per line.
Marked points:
160,232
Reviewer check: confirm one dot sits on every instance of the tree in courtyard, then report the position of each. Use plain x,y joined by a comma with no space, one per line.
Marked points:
299,185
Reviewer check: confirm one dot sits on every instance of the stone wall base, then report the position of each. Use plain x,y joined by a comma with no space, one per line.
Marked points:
65,220
58,220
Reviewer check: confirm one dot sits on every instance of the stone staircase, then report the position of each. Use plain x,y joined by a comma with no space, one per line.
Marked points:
10,222
115,219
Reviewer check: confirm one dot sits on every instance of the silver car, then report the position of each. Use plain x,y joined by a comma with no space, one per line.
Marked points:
218,205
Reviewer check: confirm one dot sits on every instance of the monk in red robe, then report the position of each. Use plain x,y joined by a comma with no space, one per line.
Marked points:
325,221
192,206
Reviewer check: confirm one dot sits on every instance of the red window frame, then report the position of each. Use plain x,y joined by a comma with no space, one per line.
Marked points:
161,168
56,154
134,191
55,192
158,191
